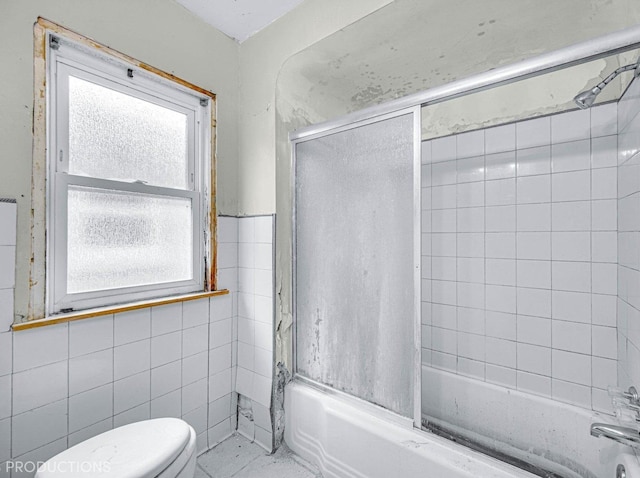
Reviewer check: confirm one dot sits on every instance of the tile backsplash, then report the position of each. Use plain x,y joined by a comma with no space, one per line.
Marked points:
519,245
62,384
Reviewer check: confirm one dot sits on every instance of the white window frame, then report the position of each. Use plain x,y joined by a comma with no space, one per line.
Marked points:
66,57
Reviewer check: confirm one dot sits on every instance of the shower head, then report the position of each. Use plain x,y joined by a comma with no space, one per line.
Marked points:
585,99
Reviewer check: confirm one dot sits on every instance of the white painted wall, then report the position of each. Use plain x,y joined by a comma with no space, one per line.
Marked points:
158,32
261,59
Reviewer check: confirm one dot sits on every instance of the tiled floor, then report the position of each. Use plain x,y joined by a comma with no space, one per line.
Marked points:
237,457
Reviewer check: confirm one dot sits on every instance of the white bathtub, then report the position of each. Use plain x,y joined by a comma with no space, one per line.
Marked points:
345,438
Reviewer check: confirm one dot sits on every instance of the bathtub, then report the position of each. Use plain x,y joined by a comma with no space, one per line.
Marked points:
346,437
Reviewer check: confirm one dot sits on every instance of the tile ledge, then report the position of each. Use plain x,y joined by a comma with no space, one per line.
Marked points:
113,309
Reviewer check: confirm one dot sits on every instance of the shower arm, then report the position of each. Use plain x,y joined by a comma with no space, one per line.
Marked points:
632,66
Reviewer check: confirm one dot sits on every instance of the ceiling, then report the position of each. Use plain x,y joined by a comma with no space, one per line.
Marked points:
239,19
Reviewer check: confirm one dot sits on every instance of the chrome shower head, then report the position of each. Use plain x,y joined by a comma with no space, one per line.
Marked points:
585,99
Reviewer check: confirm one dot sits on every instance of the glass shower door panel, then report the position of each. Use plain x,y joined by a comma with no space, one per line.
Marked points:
354,267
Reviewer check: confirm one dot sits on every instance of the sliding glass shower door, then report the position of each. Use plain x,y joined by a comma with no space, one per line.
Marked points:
356,269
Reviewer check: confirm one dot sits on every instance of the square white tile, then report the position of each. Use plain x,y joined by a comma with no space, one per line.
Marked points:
131,392
131,359
90,371
166,348
195,312
40,346
195,339
166,378
500,138
90,407
533,161
90,335
132,326
8,219
571,126
532,133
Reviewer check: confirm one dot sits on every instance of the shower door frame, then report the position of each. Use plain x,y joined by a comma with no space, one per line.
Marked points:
593,49
415,111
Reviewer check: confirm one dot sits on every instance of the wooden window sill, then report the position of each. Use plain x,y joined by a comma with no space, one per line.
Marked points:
114,309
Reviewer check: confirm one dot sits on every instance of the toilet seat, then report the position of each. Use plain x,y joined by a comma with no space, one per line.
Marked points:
152,448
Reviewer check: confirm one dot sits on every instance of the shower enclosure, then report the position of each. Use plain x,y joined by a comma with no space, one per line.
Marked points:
471,264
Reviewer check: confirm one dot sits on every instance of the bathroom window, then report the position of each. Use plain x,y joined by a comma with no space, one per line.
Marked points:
128,175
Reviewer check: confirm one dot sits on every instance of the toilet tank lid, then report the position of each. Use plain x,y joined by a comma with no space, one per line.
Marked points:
138,450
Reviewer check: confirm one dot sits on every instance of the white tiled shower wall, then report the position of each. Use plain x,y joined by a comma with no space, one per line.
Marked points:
520,255
64,383
629,237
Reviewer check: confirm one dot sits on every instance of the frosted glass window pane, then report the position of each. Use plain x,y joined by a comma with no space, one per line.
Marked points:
354,262
116,136
124,239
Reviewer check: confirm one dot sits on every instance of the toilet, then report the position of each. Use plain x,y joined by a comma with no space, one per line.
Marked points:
158,448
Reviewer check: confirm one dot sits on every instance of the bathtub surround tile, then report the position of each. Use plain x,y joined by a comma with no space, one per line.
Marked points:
572,156
500,138
443,149
604,152
521,287
534,189
532,133
572,367
571,216
571,186
536,384
500,165
571,126
604,120
571,393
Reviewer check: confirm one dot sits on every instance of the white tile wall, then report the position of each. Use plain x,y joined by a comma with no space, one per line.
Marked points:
628,272
520,254
255,334
86,377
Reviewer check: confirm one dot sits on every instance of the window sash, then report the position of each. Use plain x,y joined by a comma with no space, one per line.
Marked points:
82,65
